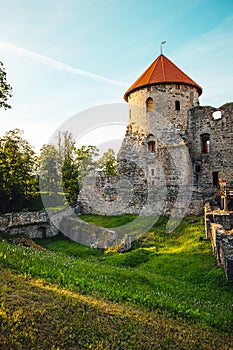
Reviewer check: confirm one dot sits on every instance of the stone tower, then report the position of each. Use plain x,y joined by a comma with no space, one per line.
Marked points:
154,155
165,89
173,152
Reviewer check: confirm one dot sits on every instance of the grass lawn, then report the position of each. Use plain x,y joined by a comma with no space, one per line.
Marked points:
167,293
37,316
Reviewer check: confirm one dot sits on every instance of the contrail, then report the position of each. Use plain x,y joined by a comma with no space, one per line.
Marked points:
59,65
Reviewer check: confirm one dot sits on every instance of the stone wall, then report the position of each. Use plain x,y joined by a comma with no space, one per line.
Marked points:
164,97
43,224
33,224
90,235
219,229
219,158
133,193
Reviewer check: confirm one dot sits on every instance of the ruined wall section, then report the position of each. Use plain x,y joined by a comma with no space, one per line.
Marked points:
219,158
33,224
219,229
166,172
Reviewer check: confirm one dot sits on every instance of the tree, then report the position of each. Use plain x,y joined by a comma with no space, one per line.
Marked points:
18,180
70,182
65,144
84,160
5,88
77,164
107,162
49,169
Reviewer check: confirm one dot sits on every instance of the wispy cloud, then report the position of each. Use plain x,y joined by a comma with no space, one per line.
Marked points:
59,65
208,60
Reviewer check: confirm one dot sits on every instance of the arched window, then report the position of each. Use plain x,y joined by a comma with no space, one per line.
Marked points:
177,104
151,146
150,104
205,143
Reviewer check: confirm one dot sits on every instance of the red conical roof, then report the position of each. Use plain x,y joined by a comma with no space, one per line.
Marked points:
162,70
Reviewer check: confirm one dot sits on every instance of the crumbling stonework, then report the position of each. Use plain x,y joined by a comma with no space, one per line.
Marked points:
219,229
43,224
84,233
173,151
217,159
33,224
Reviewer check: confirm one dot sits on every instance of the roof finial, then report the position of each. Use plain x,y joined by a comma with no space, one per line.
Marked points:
161,47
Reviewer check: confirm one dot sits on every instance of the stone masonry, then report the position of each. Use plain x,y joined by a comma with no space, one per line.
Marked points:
33,224
219,229
173,152
217,159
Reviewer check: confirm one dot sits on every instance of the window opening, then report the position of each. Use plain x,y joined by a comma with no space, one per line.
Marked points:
205,143
151,147
217,115
215,178
150,105
198,168
177,103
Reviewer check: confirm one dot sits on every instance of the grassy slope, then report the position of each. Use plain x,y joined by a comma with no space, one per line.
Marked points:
36,316
174,274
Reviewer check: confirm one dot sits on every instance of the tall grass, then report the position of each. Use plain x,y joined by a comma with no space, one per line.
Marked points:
174,272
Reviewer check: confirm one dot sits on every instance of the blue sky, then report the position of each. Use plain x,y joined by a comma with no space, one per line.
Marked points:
65,56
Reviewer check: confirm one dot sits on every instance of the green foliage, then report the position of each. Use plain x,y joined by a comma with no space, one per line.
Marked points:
5,88
107,163
77,164
65,145
53,202
84,159
49,169
70,183
174,272
18,180
60,168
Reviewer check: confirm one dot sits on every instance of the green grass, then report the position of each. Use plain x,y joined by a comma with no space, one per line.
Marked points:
35,316
174,274
61,244
57,208
108,221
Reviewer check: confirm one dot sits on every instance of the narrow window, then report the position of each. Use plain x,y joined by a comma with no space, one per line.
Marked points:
151,146
205,143
149,105
192,97
152,172
215,178
177,86
129,113
177,104
197,171
148,88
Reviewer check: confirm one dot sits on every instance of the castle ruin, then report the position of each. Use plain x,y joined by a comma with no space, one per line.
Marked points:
173,151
